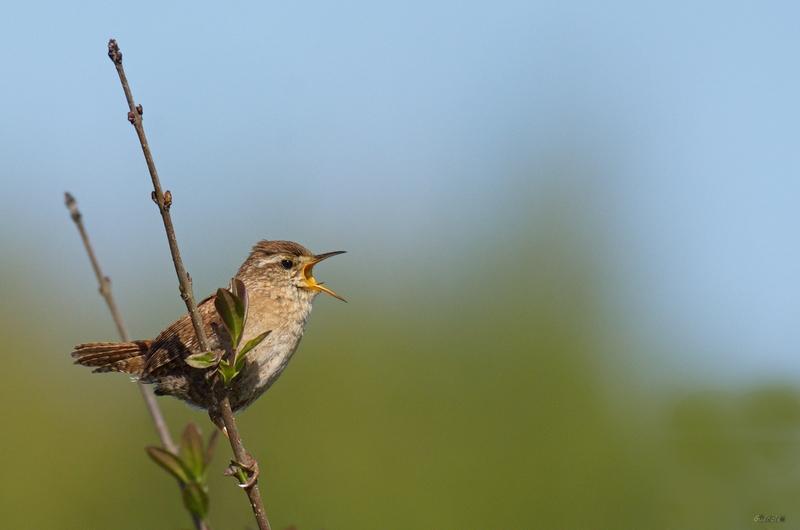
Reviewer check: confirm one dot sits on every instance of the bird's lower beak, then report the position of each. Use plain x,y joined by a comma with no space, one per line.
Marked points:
311,282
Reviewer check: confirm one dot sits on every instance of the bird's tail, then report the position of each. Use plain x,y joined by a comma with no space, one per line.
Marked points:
127,357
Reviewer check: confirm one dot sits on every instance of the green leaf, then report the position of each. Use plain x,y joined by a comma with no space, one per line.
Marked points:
252,343
227,371
195,498
231,309
238,364
170,462
192,451
207,359
238,289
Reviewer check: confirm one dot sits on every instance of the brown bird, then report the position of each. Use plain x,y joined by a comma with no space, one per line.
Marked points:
280,289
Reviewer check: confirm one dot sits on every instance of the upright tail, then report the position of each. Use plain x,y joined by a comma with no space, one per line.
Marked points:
127,357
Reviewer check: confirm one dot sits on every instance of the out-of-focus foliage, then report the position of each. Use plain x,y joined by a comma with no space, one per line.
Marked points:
188,467
513,400
572,257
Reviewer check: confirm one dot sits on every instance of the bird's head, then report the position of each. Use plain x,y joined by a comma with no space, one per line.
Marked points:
288,264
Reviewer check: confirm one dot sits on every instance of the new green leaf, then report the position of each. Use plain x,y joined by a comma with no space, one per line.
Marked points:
195,499
231,310
202,360
192,451
171,463
227,371
252,343
238,289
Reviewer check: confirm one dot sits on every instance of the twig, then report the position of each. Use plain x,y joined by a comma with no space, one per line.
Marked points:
164,200
104,283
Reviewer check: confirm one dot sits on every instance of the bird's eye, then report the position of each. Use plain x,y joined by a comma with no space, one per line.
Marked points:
287,264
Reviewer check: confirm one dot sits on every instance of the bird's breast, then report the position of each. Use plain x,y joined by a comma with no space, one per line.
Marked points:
266,362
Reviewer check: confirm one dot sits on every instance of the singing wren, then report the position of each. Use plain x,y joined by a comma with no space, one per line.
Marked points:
280,287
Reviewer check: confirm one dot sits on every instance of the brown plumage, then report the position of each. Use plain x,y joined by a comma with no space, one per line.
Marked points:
128,357
281,288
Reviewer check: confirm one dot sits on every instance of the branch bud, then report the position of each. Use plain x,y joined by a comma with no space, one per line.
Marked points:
72,205
113,52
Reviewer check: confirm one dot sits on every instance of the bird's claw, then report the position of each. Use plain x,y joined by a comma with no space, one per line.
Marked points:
246,472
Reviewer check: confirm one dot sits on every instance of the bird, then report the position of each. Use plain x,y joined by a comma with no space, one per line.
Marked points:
280,285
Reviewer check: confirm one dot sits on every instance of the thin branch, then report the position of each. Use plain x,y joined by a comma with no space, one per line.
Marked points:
164,200
104,283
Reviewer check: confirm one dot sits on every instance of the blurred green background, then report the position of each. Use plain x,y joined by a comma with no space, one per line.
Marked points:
572,258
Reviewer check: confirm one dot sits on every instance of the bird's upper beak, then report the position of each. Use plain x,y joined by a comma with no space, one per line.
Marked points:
311,282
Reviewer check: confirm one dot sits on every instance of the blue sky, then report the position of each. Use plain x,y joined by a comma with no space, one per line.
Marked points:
388,121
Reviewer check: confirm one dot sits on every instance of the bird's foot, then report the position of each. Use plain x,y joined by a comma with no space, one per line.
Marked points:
247,471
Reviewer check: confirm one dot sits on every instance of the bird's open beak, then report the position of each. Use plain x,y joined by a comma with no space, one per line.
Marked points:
311,282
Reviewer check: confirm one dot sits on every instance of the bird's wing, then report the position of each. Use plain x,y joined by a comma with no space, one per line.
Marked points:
179,341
